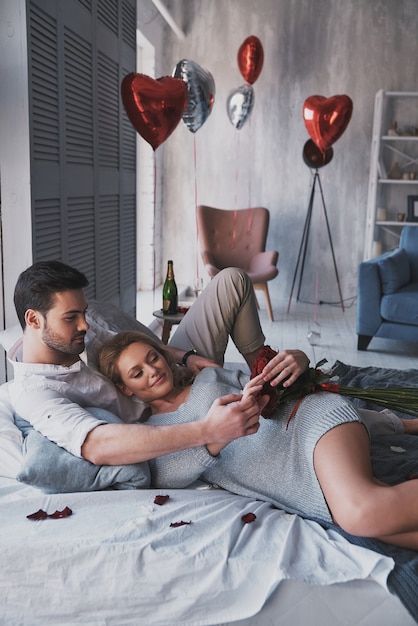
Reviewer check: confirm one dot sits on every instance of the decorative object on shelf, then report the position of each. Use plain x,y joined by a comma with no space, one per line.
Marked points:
393,130
395,171
412,208
400,217
377,248
382,214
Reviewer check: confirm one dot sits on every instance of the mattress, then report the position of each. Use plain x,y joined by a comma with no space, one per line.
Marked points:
121,558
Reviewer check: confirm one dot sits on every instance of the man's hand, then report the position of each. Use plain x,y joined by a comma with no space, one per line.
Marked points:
196,363
285,367
231,417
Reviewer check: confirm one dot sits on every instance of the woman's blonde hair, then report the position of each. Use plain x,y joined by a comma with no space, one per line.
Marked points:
112,349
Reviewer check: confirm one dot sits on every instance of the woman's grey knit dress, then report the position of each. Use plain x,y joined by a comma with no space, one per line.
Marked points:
275,465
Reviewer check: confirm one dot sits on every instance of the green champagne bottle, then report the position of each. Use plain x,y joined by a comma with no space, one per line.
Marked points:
170,292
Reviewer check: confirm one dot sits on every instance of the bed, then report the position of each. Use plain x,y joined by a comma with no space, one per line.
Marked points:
113,553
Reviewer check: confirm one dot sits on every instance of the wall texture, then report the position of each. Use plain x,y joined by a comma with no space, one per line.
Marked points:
329,47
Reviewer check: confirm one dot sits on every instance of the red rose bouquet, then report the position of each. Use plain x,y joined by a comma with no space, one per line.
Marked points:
313,379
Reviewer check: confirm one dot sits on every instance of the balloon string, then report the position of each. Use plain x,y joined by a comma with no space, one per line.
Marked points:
234,230
316,299
250,163
250,213
195,202
250,221
154,260
317,273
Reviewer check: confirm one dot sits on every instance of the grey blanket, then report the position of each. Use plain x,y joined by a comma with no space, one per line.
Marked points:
394,459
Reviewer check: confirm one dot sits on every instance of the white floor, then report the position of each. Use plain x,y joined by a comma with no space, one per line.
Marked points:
337,329
338,339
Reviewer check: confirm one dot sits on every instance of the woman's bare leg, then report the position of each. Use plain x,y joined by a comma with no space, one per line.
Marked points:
410,426
359,503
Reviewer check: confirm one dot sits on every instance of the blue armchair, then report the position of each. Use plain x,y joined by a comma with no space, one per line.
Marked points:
387,298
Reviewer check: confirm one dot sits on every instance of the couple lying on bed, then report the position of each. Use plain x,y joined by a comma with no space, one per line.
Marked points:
319,467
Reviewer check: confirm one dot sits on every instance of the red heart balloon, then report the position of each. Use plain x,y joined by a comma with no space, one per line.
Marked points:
154,107
251,58
326,118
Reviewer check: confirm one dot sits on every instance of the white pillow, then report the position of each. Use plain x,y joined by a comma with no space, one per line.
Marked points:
9,336
11,439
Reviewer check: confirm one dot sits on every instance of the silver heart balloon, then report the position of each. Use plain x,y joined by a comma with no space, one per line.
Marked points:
239,105
200,93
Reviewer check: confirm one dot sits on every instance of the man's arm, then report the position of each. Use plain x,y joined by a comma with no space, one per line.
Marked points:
229,418
195,362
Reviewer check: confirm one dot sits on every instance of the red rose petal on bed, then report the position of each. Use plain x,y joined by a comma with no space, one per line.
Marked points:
177,524
39,515
60,514
248,518
161,500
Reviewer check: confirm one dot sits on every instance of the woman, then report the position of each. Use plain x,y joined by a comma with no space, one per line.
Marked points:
317,467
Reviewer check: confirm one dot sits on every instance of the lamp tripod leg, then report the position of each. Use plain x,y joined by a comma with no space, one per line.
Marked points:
332,247
303,245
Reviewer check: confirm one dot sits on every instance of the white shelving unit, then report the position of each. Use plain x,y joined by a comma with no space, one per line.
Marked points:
394,154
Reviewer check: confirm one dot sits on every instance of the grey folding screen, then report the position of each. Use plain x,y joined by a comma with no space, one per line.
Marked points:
83,154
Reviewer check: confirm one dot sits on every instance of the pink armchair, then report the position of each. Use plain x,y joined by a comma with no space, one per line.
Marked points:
231,238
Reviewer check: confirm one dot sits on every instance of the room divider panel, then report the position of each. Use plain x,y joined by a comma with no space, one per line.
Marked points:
83,164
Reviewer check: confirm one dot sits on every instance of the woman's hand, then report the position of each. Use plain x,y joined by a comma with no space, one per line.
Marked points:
253,387
285,367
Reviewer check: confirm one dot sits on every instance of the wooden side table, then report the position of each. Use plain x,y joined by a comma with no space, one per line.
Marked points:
169,322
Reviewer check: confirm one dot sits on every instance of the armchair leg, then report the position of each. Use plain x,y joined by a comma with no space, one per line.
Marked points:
264,287
363,341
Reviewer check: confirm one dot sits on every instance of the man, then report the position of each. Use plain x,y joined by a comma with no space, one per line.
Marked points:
55,383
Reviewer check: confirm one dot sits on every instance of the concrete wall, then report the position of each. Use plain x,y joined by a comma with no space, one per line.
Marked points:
325,47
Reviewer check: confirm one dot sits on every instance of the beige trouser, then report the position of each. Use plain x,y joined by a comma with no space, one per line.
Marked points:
381,422
226,308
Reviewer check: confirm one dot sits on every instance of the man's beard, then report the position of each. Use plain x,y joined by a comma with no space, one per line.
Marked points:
55,342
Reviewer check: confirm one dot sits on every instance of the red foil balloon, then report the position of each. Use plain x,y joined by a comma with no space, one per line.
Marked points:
250,59
326,118
154,107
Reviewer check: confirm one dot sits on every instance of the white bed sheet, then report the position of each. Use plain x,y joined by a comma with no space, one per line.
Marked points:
117,561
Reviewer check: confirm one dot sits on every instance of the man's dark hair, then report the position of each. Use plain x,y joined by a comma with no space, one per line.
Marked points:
37,285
